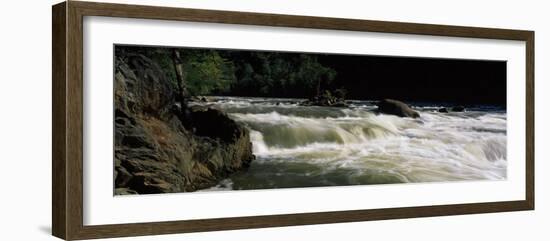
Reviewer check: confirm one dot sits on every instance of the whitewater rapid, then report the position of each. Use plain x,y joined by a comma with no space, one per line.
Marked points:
299,146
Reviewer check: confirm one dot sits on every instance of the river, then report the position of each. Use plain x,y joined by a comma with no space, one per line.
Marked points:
311,146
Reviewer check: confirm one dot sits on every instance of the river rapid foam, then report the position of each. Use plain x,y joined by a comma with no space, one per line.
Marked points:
298,146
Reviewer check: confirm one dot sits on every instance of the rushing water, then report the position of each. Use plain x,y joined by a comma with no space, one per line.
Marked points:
298,146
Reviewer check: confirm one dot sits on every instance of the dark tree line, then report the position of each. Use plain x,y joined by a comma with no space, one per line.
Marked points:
275,74
197,71
241,73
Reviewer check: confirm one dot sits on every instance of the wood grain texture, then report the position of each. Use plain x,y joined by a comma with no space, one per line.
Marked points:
67,78
263,19
74,108
530,120
59,181
121,230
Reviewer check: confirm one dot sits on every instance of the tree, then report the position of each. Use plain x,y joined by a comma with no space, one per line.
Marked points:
180,74
207,72
314,74
246,73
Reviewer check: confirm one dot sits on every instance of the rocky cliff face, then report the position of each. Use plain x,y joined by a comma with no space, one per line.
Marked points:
165,146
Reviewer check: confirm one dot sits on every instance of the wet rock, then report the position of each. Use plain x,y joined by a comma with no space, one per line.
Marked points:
443,110
395,107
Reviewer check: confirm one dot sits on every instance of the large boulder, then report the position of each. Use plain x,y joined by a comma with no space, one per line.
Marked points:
395,107
164,146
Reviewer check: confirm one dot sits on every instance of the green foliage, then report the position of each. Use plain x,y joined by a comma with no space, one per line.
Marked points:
279,74
313,75
207,72
244,73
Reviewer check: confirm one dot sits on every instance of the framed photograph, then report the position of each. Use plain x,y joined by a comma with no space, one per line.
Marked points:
171,120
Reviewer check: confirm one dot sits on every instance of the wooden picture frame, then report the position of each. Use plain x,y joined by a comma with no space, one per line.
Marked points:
67,156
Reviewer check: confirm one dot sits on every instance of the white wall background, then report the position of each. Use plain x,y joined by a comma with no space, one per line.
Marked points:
25,121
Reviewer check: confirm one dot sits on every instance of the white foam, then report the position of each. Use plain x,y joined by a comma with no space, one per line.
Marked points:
435,147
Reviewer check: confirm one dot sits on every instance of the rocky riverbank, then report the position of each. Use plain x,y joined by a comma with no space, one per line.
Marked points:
161,144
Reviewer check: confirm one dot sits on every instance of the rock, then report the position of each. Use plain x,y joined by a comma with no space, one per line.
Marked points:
214,123
165,146
149,183
395,107
124,191
325,99
142,86
122,177
200,99
458,108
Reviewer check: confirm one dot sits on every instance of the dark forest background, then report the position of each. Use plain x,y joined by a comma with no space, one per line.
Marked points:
304,75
